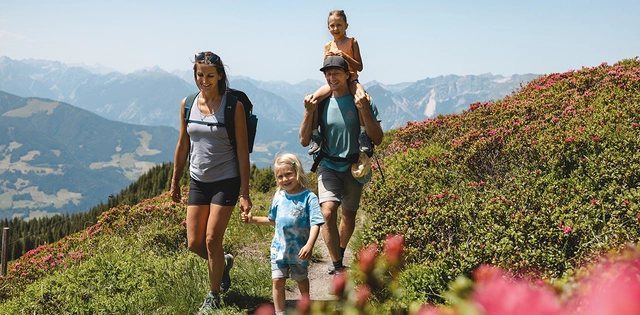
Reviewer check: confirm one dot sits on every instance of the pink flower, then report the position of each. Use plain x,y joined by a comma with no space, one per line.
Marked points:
499,296
486,272
429,309
615,290
567,230
265,309
594,201
362,295
367,258
304,305
338,284
394,248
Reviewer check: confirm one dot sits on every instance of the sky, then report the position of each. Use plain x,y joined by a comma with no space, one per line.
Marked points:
278,40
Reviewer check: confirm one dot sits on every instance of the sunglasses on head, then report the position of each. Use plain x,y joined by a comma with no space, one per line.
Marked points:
213,58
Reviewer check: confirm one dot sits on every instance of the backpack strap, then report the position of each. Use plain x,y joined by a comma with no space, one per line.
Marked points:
353,158
229,115
188,103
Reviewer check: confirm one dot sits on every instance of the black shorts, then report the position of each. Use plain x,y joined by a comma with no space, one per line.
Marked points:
224,192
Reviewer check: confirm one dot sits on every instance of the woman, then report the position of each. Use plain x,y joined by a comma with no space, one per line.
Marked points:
219,173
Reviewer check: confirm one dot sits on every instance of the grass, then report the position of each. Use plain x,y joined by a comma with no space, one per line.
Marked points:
139,264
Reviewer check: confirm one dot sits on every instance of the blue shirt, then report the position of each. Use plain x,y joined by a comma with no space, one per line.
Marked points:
341,129
294,215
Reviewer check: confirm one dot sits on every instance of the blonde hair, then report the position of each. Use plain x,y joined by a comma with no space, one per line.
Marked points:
291,159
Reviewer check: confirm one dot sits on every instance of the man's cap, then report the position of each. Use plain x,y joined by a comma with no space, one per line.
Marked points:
334,62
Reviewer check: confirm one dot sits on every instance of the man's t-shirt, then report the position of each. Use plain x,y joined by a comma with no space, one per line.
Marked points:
294,215
341,130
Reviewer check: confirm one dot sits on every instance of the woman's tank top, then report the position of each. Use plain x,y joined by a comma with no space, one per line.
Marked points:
212,155
347,48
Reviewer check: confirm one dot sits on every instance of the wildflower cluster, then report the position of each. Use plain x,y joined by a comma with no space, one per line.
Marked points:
536,183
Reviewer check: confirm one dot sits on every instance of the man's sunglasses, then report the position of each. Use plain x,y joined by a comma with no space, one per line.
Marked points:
213,58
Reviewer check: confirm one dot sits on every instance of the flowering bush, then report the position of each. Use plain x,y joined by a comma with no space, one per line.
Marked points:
74,249
608,286
537,183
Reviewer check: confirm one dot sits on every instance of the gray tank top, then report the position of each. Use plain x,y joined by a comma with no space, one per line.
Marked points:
212,156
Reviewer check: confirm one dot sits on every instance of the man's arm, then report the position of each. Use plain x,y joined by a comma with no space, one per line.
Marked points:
310,106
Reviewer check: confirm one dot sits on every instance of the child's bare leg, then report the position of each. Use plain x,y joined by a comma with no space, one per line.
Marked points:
303,286
279,295
364,142
358,93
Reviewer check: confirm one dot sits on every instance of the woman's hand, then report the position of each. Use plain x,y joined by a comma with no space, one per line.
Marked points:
175,191
245,208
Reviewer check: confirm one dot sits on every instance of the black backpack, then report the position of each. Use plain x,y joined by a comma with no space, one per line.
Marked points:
233,96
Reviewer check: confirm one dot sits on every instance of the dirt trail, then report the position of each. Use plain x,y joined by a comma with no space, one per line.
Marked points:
319,279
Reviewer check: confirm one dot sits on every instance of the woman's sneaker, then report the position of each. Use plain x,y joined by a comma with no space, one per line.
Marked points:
226,279
211,303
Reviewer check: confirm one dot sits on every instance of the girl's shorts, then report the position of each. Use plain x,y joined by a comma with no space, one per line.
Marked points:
295,271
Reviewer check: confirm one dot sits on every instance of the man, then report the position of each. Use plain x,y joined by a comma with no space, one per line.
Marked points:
340,127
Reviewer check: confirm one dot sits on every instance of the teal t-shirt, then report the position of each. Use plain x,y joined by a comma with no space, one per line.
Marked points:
341,130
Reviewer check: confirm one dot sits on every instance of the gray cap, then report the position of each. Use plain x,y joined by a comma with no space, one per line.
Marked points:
334,62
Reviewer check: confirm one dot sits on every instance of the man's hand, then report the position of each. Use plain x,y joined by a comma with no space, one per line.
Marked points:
310,103
362,100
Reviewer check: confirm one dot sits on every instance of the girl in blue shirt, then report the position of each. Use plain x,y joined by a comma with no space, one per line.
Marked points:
296,214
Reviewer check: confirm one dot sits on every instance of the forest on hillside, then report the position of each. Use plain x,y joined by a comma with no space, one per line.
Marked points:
25,235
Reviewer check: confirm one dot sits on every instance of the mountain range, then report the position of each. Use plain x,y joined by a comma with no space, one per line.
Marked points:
148,100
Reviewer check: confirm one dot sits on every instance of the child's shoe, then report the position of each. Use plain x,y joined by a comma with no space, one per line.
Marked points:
365,144
314,145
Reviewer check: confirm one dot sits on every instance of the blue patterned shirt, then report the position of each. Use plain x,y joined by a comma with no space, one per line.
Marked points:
294,215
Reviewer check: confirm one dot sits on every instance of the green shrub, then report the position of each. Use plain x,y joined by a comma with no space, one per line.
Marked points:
536,183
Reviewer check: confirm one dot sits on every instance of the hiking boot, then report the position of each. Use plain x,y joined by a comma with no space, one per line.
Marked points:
314,145
364,143
210,304
226,279
333,271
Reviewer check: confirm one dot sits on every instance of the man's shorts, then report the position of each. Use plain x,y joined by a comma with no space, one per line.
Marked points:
224,192
295,271
339,187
